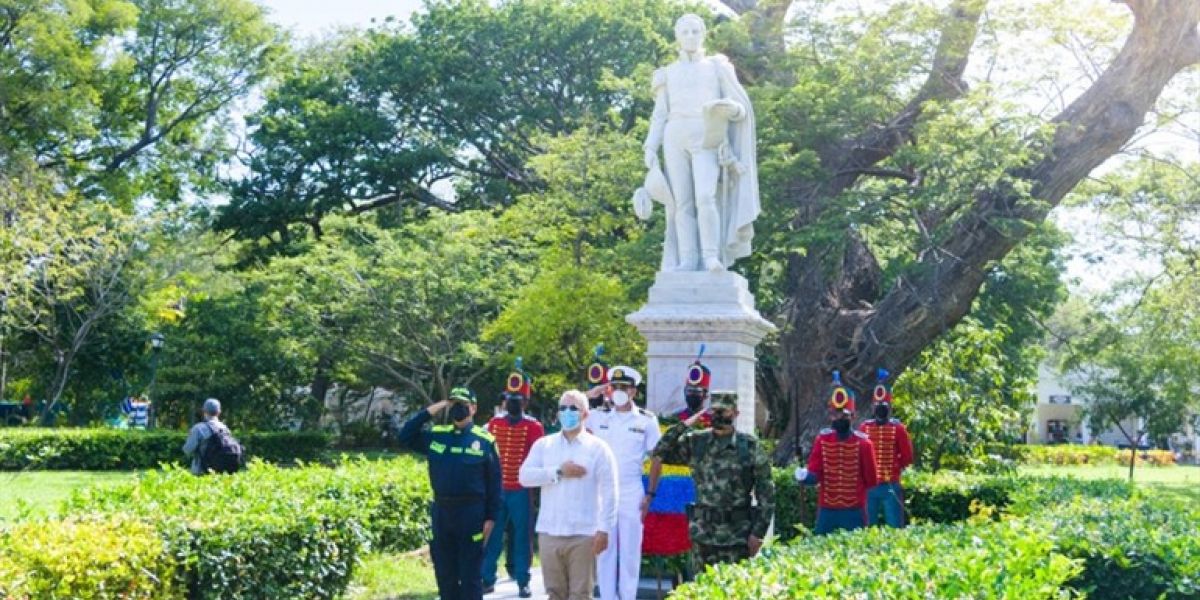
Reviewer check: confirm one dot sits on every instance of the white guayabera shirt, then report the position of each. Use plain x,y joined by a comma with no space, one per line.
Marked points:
573,506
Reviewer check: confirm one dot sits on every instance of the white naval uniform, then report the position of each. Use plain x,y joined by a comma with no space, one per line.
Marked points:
631,436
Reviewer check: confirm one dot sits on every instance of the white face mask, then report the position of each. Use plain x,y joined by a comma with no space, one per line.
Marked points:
620,397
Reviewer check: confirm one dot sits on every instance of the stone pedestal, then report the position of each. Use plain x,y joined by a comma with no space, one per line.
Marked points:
690,308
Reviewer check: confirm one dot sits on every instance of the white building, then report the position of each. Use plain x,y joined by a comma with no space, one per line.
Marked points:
1058,418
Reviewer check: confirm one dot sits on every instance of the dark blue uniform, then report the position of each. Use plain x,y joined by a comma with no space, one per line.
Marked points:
464,471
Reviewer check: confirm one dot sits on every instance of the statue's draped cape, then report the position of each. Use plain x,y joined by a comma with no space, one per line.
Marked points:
737,198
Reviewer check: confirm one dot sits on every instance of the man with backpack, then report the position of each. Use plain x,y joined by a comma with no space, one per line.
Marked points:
210,444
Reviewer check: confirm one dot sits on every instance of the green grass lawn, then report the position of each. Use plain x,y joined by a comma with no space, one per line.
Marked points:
43,490
1181,483
387,576
407,576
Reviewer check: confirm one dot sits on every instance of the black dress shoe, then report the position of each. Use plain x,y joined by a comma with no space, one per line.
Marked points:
487,589
524,592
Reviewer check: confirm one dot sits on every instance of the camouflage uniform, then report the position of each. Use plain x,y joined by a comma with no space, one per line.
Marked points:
725,471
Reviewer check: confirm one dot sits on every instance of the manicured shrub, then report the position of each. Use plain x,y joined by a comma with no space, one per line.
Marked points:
1154,458
995,560
1138,548
949,496
86,559
271,532
24,448
1129,549
1070,454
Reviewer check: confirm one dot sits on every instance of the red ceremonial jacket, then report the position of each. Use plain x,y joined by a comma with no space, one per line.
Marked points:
845,469
893,448
513,443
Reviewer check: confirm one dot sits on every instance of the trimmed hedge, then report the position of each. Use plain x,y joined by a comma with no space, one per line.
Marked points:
995,560
1134,549
269,532
24,448
85,559
1102,548
1074,454
948,496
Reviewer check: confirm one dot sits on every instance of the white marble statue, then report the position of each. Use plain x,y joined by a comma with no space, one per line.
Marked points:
704,124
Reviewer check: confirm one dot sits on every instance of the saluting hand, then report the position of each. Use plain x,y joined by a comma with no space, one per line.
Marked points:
436,407
692,420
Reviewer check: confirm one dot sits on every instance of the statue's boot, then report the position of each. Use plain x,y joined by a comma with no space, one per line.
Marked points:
689,242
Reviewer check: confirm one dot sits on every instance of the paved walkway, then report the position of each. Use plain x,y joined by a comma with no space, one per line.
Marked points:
506,589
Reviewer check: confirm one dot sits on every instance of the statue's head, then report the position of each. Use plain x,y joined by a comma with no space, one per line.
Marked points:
689,32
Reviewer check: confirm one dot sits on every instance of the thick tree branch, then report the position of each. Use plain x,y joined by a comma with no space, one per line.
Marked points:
849,160
414,192
1089,131
741,7
828,324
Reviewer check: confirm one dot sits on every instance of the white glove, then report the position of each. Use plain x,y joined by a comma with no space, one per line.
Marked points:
801,474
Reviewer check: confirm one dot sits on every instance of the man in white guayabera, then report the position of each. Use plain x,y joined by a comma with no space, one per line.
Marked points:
578,477
704,124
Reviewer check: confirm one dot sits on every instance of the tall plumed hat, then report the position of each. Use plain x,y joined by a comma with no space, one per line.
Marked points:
597,372
698,374
519,383
840,397
883,390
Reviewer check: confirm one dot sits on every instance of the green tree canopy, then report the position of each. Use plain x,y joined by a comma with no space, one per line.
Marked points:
125,99
443,113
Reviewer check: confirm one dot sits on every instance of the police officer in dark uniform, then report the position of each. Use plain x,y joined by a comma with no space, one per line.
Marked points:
464,471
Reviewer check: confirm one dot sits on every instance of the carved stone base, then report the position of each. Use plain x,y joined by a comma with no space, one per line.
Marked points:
690,308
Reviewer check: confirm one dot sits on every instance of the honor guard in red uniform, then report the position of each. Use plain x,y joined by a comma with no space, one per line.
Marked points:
893,454
515,433
843,464
597,380
695,392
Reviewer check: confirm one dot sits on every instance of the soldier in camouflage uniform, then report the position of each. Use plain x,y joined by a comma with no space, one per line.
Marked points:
728,468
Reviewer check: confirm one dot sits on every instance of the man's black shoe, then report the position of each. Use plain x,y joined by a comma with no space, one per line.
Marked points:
487,589
524,592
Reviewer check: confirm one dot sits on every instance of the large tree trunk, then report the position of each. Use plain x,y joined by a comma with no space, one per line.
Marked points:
838,317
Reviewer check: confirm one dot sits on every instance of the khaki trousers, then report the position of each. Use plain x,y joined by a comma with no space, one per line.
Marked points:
568,566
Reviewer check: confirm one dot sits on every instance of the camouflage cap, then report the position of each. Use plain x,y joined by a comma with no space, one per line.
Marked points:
462,394
723,400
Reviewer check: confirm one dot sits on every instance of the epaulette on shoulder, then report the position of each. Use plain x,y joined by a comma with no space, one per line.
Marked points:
647,413
825,431
482,433
529,418
895,421
861,435
441,428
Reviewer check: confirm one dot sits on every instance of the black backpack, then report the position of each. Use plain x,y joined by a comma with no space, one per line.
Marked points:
221,452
